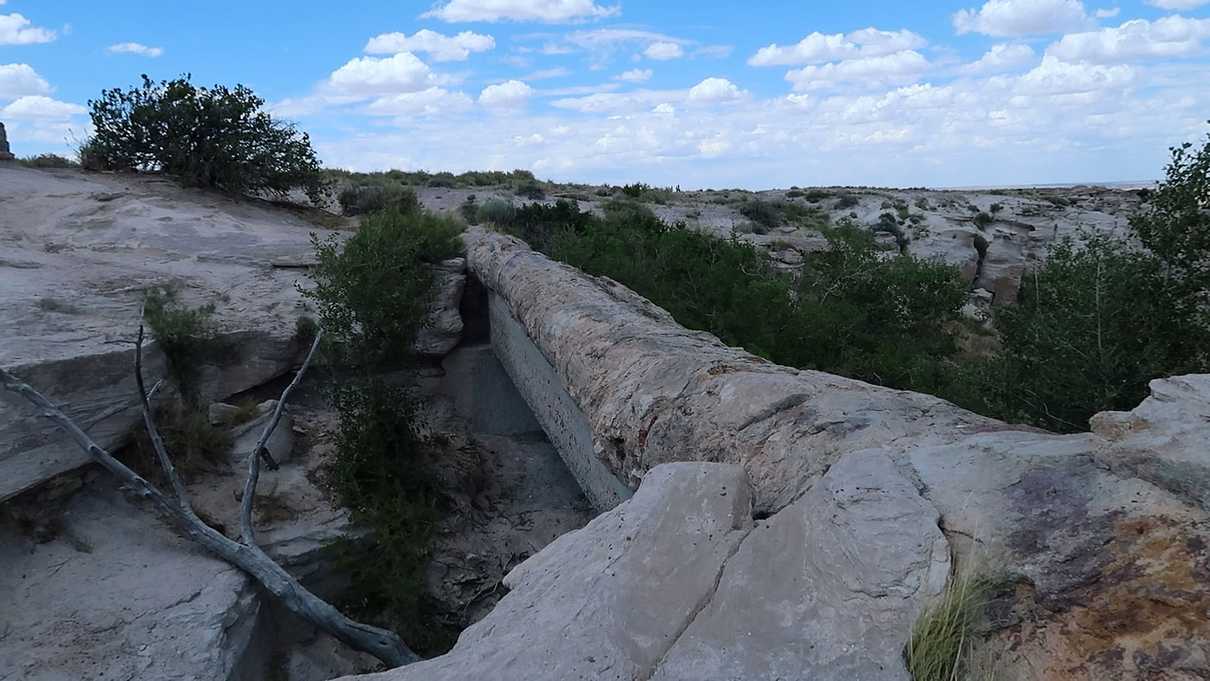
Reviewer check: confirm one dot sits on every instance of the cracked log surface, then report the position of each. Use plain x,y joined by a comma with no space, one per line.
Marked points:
869,498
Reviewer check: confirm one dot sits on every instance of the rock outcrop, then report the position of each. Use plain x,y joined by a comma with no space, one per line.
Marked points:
117,595
6,154
78,253
868,498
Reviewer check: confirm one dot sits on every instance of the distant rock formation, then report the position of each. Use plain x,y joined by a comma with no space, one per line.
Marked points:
6,154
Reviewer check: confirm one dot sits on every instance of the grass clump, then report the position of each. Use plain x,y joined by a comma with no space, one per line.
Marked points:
944,636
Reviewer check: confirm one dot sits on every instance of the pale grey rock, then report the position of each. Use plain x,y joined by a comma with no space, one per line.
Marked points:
442,330
117,595
607,601
1163,440
221,413
6,154
78,253
246,435
827,589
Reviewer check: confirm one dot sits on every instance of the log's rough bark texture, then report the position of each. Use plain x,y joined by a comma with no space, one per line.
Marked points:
245,555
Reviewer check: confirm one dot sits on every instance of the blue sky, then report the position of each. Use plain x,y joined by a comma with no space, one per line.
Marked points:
692,93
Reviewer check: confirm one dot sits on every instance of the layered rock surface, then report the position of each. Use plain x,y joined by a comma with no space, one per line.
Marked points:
1096,544
77,253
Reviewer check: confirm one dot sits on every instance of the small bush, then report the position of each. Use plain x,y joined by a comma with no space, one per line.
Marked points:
983,220
496,212
531,190
47,161
211,137
369,198
846,201
371,290
186,336
470,210
922,203
996,208
194,444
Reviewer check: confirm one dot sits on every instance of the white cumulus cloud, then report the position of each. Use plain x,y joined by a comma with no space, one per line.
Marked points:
367,76
15,29
1022,17
1057,77
899,68
38,107
509,94
663,51
818,48
438,46
135,48
1001,58
544,11
18,80
1169,37
715,90
635,75
429,102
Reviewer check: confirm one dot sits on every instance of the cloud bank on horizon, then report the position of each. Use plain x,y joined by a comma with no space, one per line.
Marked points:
1003,92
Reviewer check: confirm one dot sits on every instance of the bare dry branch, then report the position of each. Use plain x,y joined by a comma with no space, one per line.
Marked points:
245,515
382,644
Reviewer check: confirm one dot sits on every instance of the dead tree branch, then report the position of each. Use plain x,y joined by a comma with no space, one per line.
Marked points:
247,556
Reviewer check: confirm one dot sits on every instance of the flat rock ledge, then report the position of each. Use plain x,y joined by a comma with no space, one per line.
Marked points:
867,502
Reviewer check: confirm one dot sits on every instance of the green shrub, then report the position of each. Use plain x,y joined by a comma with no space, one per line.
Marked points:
186,335
983,220
496,212
846,201
371,289
1175,223
470,210
530,189
1091,328
211,137
372,292
380,474
194,444
363,199
885,321
46,161
764,213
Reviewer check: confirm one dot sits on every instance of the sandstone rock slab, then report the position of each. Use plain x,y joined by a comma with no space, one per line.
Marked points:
607,601
117,595
826,589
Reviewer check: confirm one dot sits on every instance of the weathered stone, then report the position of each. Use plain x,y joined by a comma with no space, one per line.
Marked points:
828,588
442,330
73,273
117,595
6,154
607,601
246,435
